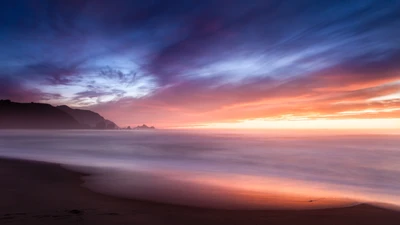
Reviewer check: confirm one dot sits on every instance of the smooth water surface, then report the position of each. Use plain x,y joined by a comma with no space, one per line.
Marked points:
224,168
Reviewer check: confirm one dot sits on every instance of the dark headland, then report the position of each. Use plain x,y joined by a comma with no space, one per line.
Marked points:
15,115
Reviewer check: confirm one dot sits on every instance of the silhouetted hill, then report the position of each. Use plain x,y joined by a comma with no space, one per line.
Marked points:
34,116
15,115
88,118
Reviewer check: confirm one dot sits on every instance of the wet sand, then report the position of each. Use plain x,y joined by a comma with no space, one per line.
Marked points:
42,193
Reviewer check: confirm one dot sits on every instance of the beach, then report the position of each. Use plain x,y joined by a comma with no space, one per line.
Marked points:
45,193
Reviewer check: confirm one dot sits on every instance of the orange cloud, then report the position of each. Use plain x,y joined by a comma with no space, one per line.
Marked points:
326,95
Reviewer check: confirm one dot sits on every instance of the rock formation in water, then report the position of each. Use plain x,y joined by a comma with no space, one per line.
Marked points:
144,127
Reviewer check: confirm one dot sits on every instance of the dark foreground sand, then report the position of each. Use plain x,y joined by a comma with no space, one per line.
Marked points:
41,193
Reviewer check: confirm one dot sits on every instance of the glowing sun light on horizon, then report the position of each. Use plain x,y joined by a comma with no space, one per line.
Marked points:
337,124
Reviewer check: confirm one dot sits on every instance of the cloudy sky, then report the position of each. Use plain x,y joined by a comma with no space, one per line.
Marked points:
190,63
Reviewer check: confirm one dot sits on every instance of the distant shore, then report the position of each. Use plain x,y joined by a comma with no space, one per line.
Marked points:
44,193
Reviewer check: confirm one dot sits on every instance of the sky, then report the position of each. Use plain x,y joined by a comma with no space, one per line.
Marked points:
207,63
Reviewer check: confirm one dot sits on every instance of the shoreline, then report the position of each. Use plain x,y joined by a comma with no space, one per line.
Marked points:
35,192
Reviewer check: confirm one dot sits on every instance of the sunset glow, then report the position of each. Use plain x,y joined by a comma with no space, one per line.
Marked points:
214,112
339,124
260,65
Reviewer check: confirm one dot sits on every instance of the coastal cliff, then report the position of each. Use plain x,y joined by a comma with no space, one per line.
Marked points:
32,115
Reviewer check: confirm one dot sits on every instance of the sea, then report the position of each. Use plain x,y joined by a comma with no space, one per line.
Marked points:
230,169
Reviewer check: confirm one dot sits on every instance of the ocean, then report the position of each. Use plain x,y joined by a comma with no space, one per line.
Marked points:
224,169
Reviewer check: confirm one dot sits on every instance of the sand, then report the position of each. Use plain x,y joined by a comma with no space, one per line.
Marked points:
43,193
